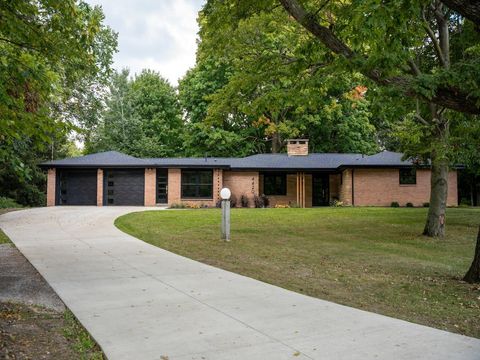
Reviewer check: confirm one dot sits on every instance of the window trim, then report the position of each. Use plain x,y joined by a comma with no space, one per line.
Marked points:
197,184
283,184
403,183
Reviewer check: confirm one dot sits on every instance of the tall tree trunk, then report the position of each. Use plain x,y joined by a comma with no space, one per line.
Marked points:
435,224
276,143
473,274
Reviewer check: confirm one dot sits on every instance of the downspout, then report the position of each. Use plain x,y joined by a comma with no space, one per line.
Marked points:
353,187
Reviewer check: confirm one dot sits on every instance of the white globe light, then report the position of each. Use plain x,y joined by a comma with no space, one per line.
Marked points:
225,193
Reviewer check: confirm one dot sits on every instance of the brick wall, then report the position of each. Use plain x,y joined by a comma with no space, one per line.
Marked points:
218,184
294,148
345,193
242,183
452,199
380,187
51,184
150,187
100,187
174,183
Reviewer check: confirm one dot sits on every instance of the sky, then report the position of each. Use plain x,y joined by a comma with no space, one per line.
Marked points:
155,34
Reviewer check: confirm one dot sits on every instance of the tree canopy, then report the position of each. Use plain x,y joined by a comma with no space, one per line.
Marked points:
54,56
142,117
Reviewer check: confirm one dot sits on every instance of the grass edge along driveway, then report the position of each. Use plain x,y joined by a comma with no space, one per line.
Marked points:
373,259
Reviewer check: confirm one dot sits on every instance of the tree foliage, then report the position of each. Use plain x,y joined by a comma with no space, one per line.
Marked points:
142,117
53,58
276,85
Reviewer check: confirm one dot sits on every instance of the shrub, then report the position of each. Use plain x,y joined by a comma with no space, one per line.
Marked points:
6,203
266,201
394,204
178,206
336,203
281,206
244,200
193,206
233,201
426,204
31,195
258,202
294,204
409,204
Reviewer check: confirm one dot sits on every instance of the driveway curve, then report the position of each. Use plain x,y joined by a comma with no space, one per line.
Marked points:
141,302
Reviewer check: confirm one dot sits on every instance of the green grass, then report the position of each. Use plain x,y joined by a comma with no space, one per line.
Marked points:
369,258
82,342
4,238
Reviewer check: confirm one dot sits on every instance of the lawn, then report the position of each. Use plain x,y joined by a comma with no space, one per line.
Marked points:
4,238
369,258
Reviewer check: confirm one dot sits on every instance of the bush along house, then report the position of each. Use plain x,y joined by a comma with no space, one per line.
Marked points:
296,178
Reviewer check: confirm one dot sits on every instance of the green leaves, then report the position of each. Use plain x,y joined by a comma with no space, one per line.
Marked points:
142,117
54,59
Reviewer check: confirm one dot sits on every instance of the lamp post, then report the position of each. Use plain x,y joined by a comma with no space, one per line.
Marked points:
225,195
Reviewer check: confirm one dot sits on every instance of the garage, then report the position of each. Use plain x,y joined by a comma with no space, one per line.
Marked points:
124,187
76,187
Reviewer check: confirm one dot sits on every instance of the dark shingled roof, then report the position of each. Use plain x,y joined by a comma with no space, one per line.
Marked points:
285,162
384,158
260,161
189,162
108,158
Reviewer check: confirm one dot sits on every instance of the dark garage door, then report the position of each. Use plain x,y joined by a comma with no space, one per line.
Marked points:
124,187
77,187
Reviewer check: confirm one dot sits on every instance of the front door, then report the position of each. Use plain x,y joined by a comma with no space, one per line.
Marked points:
320,193
162,186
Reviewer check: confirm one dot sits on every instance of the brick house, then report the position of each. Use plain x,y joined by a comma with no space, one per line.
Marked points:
297,177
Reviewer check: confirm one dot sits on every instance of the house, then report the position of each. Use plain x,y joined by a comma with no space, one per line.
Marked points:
297,177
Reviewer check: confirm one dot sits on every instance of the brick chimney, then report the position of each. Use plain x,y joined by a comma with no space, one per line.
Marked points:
296,147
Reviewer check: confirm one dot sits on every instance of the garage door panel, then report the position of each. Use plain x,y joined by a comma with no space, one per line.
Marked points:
77,187
125,187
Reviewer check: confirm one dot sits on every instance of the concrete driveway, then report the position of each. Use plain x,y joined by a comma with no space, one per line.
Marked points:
142,302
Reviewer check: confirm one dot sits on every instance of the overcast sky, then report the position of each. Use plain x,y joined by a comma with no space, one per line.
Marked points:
155,34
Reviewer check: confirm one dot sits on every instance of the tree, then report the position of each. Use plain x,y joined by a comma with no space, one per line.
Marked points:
470,9
51,53
473,273
277,86
228,136
142,117
404,47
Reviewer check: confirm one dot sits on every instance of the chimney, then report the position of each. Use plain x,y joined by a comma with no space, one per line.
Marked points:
297,147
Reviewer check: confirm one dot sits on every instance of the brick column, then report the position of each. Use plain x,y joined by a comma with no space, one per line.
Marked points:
174,185
217,184
100,187
51,186
346,187
150,187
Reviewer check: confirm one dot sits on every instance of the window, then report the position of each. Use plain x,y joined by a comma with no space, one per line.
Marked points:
408,176
275,184
197,184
